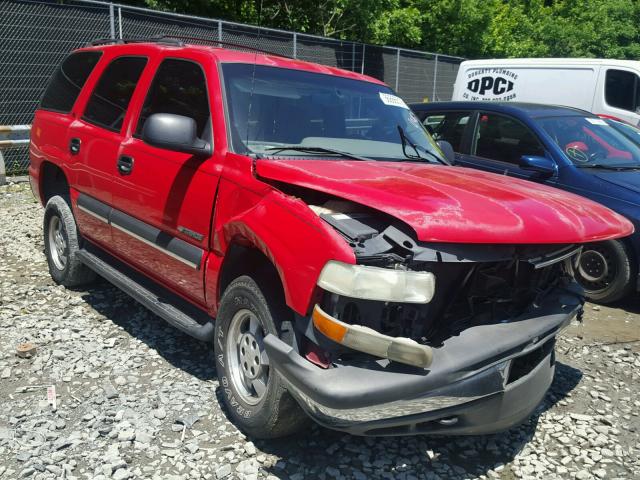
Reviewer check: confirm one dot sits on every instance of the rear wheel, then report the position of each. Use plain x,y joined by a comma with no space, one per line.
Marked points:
606,271
253,392
61,245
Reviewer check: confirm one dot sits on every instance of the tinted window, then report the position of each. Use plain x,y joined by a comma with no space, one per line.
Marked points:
505,139
68,80
110,99
621,90
448,126
179,87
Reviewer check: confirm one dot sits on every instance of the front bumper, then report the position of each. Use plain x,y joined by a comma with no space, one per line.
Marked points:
484,380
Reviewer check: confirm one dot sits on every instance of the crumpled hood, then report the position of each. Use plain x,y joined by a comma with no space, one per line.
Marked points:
629,179
454,204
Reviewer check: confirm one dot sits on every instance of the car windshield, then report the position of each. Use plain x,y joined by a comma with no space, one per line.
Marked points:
320,115
629,131
591,142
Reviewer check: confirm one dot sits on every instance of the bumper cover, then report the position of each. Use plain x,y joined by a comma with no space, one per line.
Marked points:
468,389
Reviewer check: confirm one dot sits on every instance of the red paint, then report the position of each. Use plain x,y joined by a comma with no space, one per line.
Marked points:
451,204
226,199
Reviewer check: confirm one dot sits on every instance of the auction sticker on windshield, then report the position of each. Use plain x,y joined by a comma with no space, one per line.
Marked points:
392,100
597,121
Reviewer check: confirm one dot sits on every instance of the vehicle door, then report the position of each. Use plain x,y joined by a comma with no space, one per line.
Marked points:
620,96
499,142
94,141
452,127
163,199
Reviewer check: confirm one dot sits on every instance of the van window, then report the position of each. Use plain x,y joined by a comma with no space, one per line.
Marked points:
505,139
110,99
179,87
621,90
449,126
67,81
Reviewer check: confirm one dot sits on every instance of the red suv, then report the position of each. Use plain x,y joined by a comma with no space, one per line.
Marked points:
352,273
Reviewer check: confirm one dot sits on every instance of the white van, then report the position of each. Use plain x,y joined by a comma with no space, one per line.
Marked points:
604,87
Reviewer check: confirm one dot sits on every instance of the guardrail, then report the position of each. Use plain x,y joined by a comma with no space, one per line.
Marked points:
11,136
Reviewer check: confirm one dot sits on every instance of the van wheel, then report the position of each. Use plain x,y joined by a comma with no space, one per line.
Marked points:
606,271
254,394
61,245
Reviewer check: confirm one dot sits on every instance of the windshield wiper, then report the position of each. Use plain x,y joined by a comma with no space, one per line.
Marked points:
316,150
609,167
416,148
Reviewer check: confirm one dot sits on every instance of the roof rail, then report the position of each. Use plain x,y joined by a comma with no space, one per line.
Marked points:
165,39
177,40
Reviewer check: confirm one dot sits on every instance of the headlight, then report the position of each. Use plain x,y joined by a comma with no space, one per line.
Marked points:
375,283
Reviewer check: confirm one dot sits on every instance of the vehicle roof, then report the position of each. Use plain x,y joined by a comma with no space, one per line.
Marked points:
533,110
503,62
226,55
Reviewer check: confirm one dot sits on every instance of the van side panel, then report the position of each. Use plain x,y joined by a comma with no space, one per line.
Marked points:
570,86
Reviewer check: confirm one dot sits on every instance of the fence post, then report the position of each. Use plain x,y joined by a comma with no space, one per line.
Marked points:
219,32
435,76
397,68
362,65
3,171
120,22
295,44
112,22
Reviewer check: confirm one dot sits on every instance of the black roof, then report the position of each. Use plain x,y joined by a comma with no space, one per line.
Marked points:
530,109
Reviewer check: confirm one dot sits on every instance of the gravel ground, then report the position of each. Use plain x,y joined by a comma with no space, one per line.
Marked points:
137,399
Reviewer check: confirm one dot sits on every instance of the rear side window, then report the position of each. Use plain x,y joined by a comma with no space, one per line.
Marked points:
448,126
110,99
621,90
179,87
505,139
67,81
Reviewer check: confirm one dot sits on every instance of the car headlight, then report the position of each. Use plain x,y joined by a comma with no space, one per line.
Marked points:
375,283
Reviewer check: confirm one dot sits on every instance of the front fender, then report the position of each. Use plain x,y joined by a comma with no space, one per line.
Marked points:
286,231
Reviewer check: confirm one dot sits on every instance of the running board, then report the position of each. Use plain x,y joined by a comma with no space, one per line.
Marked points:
166,305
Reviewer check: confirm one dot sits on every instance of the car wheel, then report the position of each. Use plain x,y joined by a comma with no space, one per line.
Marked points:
254,394
61,245
606,271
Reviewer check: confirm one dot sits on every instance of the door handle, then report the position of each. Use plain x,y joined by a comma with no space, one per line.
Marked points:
74,146
125,165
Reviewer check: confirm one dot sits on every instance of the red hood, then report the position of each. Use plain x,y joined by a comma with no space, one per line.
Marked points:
454,204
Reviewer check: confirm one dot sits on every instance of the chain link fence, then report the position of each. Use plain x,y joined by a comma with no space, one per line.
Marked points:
35,35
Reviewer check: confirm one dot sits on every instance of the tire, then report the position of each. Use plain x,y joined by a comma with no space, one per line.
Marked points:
256,400
606,271
61,245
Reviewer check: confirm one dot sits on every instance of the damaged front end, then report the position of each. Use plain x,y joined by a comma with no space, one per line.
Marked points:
424,337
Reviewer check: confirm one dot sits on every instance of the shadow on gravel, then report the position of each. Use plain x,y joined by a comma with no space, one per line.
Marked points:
311,452
177,348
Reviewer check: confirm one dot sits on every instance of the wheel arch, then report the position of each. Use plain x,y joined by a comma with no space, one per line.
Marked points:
53,181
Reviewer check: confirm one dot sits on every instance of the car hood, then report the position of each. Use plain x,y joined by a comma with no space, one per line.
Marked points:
453,204
629,179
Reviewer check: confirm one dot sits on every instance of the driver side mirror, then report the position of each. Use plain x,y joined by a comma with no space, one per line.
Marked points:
175,132
534,163
447,149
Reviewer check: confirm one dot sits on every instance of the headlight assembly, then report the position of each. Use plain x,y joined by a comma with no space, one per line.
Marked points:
375,283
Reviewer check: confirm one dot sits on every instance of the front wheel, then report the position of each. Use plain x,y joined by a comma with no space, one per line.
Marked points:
253,392
606,271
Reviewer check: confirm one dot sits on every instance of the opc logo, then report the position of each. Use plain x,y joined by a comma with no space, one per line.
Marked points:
495,85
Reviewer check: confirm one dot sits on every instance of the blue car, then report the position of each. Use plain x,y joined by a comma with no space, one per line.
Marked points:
562,147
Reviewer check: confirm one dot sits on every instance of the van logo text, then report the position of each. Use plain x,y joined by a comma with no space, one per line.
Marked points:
487,84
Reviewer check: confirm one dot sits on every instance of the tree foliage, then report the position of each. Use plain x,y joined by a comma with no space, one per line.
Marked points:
470,28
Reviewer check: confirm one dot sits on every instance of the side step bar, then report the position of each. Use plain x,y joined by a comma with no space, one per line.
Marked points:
166,305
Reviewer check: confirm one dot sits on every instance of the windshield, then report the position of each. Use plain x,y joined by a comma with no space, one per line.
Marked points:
590,141
629,131
275,107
